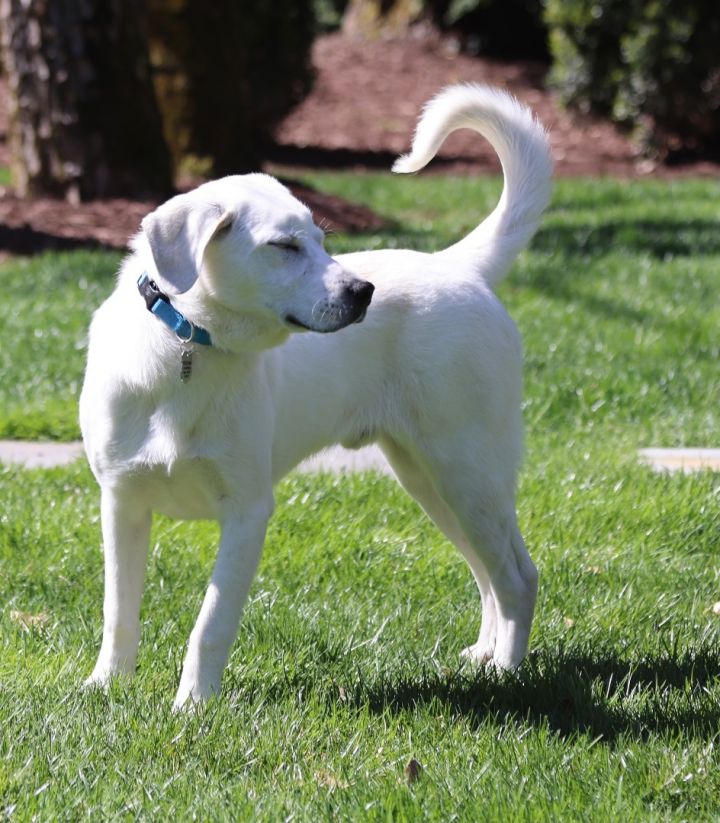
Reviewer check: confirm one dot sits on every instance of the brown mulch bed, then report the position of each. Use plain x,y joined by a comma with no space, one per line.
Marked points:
333,127
32,226
360,114
393,79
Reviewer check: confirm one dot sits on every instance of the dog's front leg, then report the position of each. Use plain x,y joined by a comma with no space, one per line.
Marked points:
126,531
216,627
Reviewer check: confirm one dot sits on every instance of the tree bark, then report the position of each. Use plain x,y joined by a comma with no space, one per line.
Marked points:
225,72
382,18
84,120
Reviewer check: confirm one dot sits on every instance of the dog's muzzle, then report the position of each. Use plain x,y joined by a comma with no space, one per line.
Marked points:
349,307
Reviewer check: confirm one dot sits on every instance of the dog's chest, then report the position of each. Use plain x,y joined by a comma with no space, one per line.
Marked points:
189,489
183,469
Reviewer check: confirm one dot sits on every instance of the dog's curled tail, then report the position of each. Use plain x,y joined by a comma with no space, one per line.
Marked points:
521,144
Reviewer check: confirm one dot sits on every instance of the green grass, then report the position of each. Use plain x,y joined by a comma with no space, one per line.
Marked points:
347,662
49,300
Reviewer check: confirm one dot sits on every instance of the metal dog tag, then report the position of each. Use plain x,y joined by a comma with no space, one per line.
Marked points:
186,358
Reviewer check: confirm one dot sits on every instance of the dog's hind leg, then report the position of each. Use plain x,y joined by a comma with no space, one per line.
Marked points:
126,532
474,505
514,581
475,483
417,483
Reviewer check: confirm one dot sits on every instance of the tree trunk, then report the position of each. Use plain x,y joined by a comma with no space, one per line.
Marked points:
382,18
83,117
225,72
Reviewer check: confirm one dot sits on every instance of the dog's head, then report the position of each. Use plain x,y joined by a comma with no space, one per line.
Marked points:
246,244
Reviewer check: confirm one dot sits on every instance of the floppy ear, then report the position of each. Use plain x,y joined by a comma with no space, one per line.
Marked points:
178,232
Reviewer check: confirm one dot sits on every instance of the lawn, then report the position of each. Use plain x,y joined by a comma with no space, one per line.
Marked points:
347,665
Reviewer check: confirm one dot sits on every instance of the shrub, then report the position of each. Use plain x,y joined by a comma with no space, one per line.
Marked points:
652,66
509,29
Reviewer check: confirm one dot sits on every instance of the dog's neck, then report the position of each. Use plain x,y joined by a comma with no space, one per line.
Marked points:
230,331
160,306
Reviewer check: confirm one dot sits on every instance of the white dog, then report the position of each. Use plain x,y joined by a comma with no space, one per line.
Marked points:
198,406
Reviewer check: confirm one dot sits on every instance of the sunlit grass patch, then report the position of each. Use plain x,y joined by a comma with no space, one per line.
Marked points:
347,668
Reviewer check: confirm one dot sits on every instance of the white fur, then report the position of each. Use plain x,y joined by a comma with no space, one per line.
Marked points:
433,375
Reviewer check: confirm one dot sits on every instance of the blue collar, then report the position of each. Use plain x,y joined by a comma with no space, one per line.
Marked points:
159,304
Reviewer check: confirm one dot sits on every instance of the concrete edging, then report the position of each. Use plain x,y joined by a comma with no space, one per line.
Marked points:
686,460
45,454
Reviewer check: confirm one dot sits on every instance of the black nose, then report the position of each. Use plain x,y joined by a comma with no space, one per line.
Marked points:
362,292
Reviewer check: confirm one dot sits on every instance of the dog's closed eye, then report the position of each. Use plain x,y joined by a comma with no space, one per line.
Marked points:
285,244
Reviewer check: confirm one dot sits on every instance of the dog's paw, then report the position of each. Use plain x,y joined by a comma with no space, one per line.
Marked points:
477,655
192,695
95,684
189,703
481,657
184,702
104,673
99,679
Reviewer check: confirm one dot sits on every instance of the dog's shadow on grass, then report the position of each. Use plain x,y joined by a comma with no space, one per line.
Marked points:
595,693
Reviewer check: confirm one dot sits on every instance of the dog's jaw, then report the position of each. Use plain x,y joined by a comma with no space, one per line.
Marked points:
333,315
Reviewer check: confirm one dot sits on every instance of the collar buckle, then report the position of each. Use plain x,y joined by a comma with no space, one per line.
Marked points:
150,292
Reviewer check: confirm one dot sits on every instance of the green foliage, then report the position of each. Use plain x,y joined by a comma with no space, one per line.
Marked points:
654,66
329,13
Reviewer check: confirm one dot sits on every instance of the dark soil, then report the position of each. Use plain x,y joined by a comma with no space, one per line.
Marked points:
360,114
33,226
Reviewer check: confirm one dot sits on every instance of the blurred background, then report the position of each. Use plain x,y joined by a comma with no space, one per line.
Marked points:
137,98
